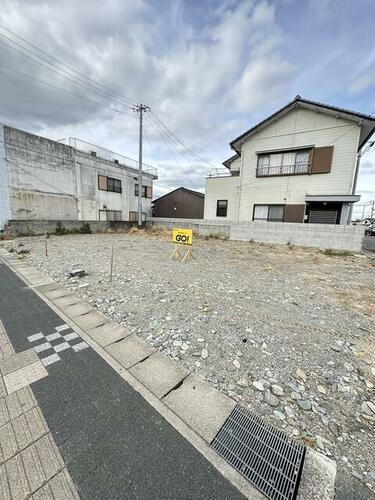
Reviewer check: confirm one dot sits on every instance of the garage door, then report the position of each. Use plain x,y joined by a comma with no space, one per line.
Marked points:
323,216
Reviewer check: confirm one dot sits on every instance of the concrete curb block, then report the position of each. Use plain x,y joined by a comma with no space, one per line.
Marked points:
194,402
201,406
318,477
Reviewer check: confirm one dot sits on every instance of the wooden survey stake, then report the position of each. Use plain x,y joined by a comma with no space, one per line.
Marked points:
175,254
182,237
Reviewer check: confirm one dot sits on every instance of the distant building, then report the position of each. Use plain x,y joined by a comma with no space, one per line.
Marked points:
45,180
181,203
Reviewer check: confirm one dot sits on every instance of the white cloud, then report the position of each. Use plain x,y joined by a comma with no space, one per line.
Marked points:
209,70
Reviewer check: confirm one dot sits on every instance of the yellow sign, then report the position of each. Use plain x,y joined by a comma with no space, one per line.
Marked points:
182,236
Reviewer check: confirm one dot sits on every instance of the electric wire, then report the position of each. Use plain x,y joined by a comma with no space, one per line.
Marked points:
131,101
85,85
61,89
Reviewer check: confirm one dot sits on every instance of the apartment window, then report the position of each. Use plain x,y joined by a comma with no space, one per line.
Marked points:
271,213
284,163
146,191
102,182
110,215
221,208
109,184
133,216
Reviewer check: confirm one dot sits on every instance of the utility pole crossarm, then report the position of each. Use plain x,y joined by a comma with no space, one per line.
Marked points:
140,109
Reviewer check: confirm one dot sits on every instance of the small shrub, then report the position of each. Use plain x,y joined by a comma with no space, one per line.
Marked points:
337,253
85,229
60,230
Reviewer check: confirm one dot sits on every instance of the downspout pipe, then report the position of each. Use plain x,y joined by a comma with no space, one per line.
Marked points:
354,188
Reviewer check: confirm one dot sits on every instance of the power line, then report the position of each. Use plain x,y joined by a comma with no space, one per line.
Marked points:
85,85
162,135
131,101
59,88
107,93
188,150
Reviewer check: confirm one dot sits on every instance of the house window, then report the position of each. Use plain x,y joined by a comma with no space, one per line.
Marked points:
284,163
133,216
146,191
270,213
110,215
109,184
221,208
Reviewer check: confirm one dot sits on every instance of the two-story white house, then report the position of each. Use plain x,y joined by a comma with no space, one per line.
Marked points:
298,165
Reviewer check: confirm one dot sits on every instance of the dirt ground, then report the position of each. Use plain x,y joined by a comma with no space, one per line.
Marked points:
287,331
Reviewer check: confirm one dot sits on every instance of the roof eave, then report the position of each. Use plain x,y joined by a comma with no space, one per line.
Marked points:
358,117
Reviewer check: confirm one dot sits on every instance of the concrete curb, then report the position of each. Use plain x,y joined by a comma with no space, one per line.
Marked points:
182,398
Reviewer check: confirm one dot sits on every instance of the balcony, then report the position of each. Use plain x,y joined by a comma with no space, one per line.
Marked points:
222,172
109,155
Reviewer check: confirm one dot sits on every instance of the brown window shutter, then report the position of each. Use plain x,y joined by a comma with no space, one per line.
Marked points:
102,182
149,192
322,160
294,213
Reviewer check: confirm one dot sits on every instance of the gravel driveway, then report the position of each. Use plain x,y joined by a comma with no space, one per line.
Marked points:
287,331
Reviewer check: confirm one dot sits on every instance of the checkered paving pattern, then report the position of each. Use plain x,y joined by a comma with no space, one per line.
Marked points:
49,346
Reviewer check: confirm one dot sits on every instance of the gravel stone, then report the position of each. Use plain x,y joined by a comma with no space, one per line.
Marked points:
249,294
300,375
270,399
277,390
279,414
258,385
368,408
237,364
304,404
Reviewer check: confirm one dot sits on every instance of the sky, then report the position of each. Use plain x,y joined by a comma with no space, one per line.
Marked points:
208,69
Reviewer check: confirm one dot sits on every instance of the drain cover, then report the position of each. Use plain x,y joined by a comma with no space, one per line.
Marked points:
263,454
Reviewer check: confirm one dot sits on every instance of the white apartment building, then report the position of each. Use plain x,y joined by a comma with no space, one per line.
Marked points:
45,180
297,165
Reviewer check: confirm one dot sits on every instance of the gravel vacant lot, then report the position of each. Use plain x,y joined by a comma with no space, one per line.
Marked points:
287,331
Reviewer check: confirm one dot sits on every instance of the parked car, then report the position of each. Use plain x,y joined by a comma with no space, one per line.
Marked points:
370,230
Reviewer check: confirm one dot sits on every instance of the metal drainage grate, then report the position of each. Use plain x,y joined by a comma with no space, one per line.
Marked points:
263,454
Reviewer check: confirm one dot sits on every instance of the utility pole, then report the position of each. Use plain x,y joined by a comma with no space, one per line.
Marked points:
140,109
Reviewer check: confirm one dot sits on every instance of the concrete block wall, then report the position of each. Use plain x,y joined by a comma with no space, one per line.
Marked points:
35,227
336,237
200,226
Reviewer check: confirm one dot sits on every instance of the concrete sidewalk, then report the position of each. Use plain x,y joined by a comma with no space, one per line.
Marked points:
70,425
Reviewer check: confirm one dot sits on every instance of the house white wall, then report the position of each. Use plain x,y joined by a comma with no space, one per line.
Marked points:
298,128
48,180
221,188
235,165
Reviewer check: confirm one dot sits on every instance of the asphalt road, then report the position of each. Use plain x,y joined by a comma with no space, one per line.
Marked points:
114,443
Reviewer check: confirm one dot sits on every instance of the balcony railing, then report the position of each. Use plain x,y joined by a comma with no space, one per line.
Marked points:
295,169
108,155
220,172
